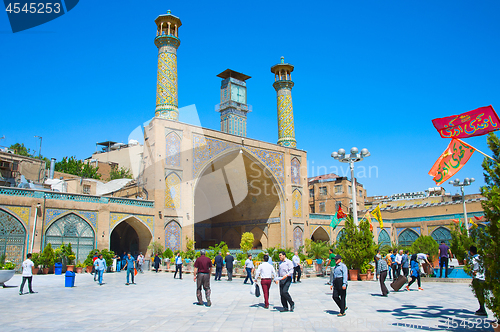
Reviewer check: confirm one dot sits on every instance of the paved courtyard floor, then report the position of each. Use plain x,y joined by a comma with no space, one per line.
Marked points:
159,302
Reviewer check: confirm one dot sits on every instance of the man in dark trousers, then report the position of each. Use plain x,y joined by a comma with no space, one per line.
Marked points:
219,264
444,252
285,273
202,271
229,266
340,284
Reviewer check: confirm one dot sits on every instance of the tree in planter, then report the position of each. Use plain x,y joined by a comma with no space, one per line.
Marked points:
108,257
214,251
48,256
156,248
246,243
489,240
460,242
356,245
318,249
427,245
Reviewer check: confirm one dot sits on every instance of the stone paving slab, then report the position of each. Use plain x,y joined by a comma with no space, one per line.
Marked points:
160,302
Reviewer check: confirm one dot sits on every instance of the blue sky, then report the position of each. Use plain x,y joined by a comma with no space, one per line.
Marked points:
368,73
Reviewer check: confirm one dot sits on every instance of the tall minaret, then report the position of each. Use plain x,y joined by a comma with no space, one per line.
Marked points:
283,85
167,40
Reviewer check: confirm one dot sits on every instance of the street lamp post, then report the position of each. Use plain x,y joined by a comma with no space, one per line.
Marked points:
465,182
355,156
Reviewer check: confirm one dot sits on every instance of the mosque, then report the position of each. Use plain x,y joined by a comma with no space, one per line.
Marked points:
201,184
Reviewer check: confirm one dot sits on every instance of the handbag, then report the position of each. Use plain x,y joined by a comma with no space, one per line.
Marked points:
135,272
257,290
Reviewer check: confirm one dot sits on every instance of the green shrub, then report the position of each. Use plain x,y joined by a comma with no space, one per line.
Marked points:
168,253
246,243
36,259
460,242
427,245
48,256
156,248
214,251
89,260
108,256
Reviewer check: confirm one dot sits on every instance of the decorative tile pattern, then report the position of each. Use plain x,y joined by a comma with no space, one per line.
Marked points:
298,235
12,238
166,87
206,149
52,214
172,191
21,212
173,157
173,236
297,203
286,129
295,171
115,218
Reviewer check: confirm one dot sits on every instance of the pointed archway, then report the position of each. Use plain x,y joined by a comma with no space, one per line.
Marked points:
130,235
320,235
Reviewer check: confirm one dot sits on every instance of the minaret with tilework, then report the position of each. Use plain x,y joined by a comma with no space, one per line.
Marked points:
167,40
283,85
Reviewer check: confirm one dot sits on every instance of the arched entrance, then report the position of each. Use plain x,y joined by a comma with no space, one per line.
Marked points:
407,237
320,235
73,229
12,238
130,235
236,193
383,238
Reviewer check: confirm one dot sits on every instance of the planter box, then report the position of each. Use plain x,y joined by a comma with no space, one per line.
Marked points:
6,275
363,276
353,275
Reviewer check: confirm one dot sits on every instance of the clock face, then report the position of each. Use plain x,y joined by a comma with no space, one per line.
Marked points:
242,95
238,94
234,92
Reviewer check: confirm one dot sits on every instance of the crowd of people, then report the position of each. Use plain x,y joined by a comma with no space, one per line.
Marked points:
401,264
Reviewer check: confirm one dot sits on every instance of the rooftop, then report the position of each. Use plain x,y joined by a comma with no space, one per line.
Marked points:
234,74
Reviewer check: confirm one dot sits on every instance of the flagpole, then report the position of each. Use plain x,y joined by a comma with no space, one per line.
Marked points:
481,152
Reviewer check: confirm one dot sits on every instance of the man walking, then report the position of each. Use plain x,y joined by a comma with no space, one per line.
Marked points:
27,274
376,264
405,263
444,252
381,268
157,262
296,267
130,266
394,264
340,285
100,266
478,280
140,261
285,272
266,273
96,256
388,259
202,271
178,265
219,264
249,267
229,266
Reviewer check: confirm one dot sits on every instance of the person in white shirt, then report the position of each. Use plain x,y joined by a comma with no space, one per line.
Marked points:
296,267
178,265
140,261
285,272
27,274
399,259
478,280
267,273
249,267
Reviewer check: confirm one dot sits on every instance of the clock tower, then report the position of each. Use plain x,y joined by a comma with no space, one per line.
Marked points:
233,105
167,40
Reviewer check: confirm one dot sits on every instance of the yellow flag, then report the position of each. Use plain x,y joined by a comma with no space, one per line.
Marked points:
473,224
378,215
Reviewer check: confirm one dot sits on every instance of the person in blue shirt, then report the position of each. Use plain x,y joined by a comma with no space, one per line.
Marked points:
130,266
415,273
405,263
340,284
100,266
124,258
178,265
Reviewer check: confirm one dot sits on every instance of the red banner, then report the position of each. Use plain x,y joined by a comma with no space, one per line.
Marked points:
451,161
473,123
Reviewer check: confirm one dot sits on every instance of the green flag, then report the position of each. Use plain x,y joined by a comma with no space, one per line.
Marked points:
334,221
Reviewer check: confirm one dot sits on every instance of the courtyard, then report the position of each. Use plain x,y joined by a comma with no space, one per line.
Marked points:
159,302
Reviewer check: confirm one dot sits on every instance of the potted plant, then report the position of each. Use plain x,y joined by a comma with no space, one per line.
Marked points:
88,262
79,267
356,246
7,270
168,254
37,261
48,258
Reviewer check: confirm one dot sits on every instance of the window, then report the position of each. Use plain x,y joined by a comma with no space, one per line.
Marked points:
361,193
337,205
322,191
312,208
86,189
349,190
322,207
339,189
311,192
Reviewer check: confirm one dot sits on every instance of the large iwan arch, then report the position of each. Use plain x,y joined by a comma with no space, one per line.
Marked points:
237,191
